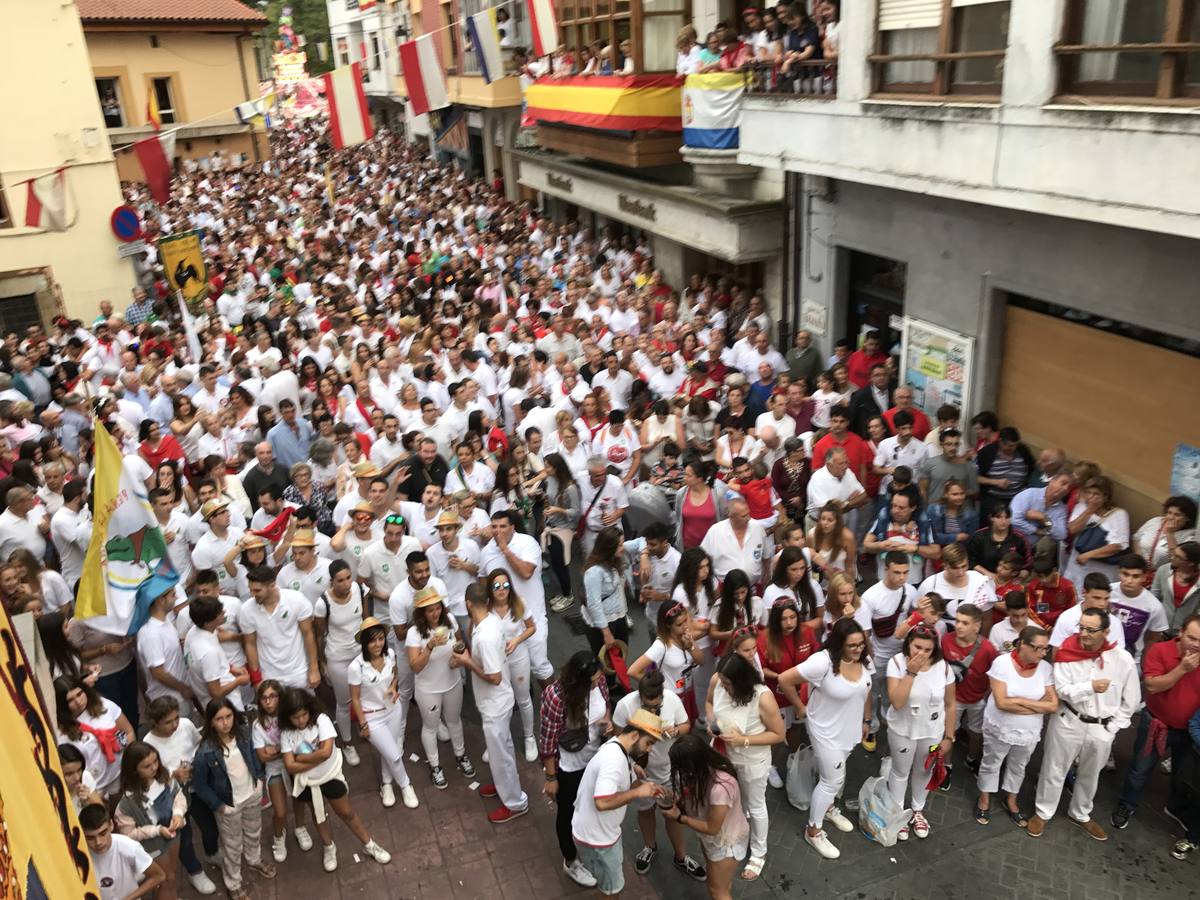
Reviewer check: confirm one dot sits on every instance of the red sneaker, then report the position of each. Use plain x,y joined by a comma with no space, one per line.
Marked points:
487,790
502,814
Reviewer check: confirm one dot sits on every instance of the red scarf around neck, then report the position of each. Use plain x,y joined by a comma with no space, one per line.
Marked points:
1073,651
1021,667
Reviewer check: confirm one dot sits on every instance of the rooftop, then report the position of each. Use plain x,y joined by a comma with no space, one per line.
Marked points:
166,11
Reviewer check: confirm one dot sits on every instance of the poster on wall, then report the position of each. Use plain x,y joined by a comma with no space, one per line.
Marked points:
937,365
1185,472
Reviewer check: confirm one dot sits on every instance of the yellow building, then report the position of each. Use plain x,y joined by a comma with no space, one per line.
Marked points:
51,119
195,57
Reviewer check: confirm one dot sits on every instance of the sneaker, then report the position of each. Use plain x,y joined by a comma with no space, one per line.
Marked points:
204,885
531,749
1093,829
1181,849
579,874
691,868
214,859
439,778
1111,765
839,821
1036,827
870,742
408,797
443,732
944,787
303,841
641,862
329,857
920,826
279,848
388,795
502,814
902,834
1174,818
464,765
820,843
380,855
487,759
774,779
488,791
350,755
1165,765
562,603
1120,818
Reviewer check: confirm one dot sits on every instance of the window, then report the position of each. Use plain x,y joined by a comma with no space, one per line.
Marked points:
110,102
5,216
591,26
164,97
941,47
1132,48
343,51
375,52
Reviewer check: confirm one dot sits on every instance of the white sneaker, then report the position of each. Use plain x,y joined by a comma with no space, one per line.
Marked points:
443,732
774,779
202,883
902,834
380,855
350,755
531,749
820,843
279,848
303,840
840,822
409,797
486,759
329,857
579,874
387,795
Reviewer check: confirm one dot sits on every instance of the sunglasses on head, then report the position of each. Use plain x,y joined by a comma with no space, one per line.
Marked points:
395,519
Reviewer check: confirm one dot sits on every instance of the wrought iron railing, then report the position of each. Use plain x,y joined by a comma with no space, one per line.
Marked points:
811,79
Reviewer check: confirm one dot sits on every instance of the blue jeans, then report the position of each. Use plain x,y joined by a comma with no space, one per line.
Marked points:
1145,759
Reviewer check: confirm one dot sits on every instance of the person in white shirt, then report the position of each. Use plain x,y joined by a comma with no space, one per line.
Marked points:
122,868
603,501
1141,614
902,449
1096,594
521,556
24,523
210,672
615,380
958,583
71,529
455,561
389,447
337,614
618,445
213,546
278,632
835,481
307,573
885,604
737,542
158,643
493,691
1098,692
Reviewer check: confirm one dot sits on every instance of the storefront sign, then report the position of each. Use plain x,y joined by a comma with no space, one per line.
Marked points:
636,208
813,317
937,365
560,182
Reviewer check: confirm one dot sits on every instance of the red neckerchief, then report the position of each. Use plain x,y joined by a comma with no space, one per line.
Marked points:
362,409
1021,667
1073,651
110,746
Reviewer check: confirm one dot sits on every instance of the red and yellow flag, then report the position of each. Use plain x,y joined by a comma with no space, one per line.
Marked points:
153,119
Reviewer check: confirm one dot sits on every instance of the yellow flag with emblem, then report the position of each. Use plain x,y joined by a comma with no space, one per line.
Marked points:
183,263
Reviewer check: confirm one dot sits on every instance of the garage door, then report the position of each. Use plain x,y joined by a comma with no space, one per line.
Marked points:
1122,403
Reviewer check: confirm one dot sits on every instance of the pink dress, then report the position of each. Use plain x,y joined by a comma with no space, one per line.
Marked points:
733,840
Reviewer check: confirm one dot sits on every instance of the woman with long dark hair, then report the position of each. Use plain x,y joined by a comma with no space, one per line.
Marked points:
708,800
782,645
736,608
96,726
574,719
673,653
562,512
518,628
64,659
604,588
694,590
791,578
838,713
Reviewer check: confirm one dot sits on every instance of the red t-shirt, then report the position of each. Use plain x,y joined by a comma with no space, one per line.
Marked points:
791,653
757,495
858,366
1174,707
921,427
1180,590
858,452
1049,601
975,685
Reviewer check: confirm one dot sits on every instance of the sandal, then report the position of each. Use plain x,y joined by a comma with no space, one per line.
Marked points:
982,816
1019,818
754,867
264,869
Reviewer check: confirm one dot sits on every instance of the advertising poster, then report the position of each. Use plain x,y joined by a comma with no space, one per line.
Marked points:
937,364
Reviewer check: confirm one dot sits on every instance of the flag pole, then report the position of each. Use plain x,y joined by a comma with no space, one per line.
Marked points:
189,327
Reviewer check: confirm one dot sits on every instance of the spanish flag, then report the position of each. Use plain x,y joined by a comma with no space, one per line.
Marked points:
153,119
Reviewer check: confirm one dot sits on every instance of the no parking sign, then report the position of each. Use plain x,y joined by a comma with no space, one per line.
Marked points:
126,224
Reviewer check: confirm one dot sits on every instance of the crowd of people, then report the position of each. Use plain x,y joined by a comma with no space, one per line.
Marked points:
423,423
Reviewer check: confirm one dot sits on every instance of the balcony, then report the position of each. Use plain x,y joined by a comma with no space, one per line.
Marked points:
811,80
633,121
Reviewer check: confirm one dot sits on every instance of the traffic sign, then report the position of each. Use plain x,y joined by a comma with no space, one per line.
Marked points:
126,224
133,248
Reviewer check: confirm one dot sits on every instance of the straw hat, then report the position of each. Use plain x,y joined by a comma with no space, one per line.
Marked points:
427,596
362,506
304,537
647,723
369,622
448,517
366,469
212,507
251,541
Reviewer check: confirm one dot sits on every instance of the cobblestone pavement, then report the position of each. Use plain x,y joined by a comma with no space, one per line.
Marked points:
447,849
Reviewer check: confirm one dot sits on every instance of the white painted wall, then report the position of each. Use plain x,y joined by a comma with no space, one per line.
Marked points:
1137,167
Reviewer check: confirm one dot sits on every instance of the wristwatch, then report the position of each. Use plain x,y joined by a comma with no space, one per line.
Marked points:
550,777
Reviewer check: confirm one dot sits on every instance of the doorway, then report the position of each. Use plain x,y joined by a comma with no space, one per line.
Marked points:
876,298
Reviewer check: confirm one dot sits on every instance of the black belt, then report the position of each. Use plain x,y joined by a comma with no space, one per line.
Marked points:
1087,720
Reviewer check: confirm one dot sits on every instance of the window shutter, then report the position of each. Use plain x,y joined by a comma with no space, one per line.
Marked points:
895,15
975,2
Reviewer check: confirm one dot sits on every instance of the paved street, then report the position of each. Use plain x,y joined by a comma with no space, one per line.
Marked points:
447,849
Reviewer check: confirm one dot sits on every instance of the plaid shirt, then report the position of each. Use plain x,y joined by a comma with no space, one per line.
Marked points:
139,312
554,718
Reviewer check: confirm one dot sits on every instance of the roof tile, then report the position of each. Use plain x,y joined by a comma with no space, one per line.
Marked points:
167,11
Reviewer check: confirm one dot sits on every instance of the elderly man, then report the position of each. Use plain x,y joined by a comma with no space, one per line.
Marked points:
903,398
737,542
162,407
603,501
24,524
1039,512
804,360
265,472
900,526
51,494
835,482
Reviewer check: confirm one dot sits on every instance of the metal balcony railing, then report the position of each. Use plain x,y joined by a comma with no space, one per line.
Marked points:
811,79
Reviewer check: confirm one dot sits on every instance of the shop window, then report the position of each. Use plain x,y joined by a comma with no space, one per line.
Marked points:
941,47
1148,49
108,90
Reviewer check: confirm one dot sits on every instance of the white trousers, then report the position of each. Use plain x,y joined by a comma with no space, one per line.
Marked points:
701,676
434,708
1065,740
387,737
995,752
519,669
539,656
908,768
753,782
831,769
502,761
336,672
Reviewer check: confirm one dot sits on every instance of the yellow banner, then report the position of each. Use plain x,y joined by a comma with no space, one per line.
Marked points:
42,851
183,263
106,482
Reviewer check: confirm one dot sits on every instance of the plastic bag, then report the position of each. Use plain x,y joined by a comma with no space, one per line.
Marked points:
801,777
879,816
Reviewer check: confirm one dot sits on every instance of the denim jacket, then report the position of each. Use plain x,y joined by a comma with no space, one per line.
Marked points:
605,592
210,778
968,519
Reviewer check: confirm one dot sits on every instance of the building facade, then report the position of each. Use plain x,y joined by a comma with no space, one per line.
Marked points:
51,106
195,58
369,32
1009,191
